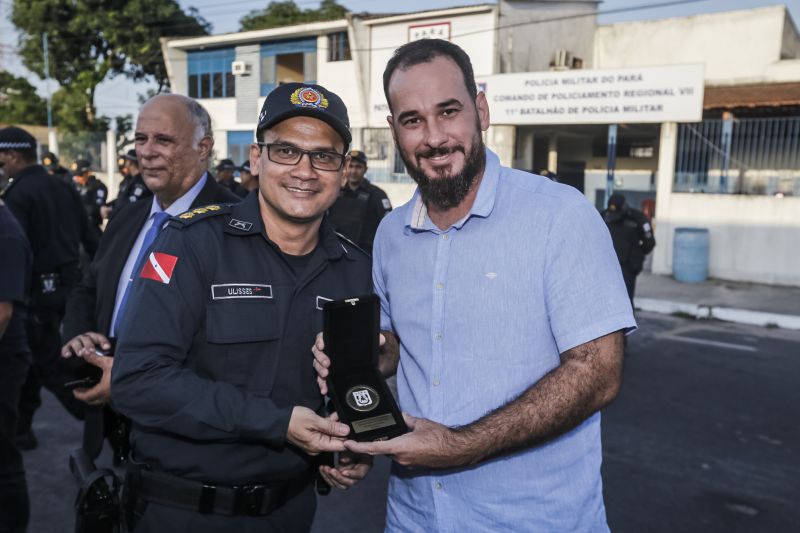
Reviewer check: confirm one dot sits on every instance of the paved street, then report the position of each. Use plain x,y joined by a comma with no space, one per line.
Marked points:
703,438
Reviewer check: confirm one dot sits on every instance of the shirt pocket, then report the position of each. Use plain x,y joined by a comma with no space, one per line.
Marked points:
246,334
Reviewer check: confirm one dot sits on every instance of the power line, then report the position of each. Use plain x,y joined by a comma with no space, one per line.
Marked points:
514,25
493,29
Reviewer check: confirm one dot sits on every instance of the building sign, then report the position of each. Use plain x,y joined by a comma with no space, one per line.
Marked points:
440,30
630,95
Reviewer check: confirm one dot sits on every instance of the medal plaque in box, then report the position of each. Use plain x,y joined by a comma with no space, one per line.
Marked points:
356,386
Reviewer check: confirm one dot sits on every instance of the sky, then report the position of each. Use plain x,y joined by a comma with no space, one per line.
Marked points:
118,96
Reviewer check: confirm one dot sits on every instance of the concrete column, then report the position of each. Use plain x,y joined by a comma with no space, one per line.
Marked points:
111,164
667,153
524,150
52,141
500,139
552,153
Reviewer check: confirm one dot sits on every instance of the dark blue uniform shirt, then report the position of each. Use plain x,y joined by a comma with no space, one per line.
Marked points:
217,351
15,266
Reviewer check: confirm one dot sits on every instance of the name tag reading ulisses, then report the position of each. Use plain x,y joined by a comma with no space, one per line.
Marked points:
227,291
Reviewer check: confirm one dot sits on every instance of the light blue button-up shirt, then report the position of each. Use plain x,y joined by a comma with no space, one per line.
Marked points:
176,208
483,309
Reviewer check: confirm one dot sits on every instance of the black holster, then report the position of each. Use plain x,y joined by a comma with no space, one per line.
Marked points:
97,504
132,505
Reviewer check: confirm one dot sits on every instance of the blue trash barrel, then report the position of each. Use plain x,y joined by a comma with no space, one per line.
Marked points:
690,254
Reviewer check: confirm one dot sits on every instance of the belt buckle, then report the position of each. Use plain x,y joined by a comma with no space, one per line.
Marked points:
249,499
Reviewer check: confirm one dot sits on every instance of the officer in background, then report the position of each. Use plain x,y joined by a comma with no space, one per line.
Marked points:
248,179
133,187
122,169
360,206
214,369
94,192
15,265
50,162
225,170
54,221
633,238
549,175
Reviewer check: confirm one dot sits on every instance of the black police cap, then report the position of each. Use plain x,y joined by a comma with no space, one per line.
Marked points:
226,164
300,99
245,166
358,155
14,138
81,165
617,200
130,155
50,160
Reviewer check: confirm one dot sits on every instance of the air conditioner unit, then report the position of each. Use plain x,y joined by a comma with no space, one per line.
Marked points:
240,68
562,60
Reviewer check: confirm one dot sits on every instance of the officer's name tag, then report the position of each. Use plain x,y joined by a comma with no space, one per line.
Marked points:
226,291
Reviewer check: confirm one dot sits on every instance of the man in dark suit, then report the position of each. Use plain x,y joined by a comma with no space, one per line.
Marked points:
174,142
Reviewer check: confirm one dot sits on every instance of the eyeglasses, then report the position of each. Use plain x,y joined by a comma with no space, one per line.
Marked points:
286,154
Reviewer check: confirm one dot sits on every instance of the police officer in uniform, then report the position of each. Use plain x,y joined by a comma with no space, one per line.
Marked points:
55,223
248,179
15,264
360,206
50,162
632,235
225,169
215,369
94,192
132,188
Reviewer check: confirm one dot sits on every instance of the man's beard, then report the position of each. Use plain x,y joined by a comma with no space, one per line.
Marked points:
447,191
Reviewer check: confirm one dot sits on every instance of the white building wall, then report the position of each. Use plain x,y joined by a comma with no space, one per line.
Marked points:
223,118
340,77
736,45
752,238
472,32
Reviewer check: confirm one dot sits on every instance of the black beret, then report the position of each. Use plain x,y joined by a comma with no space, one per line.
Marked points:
300,99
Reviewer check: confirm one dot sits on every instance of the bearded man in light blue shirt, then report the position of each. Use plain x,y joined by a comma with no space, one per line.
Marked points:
505,295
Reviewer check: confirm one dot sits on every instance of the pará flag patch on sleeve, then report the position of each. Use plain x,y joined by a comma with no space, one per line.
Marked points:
159,267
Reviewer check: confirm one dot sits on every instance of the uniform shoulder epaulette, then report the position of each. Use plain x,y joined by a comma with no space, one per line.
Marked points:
200,213
351,243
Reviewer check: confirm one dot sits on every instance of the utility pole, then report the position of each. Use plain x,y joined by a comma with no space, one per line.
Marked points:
52,141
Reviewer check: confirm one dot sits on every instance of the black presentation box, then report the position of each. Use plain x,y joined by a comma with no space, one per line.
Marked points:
356,386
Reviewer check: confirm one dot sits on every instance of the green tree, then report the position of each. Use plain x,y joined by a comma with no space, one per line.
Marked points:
19,103
124,128
90,40
286,13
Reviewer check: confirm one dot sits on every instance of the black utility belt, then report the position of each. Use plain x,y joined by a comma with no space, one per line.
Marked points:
204,498
48,282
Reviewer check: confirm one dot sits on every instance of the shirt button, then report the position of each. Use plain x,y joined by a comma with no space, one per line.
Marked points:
435,382
440,286
445,236
437,336
438,485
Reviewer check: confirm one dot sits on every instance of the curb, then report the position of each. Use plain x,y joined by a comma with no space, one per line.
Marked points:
726,314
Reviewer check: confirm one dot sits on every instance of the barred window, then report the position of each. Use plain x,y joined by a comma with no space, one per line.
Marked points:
338,47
